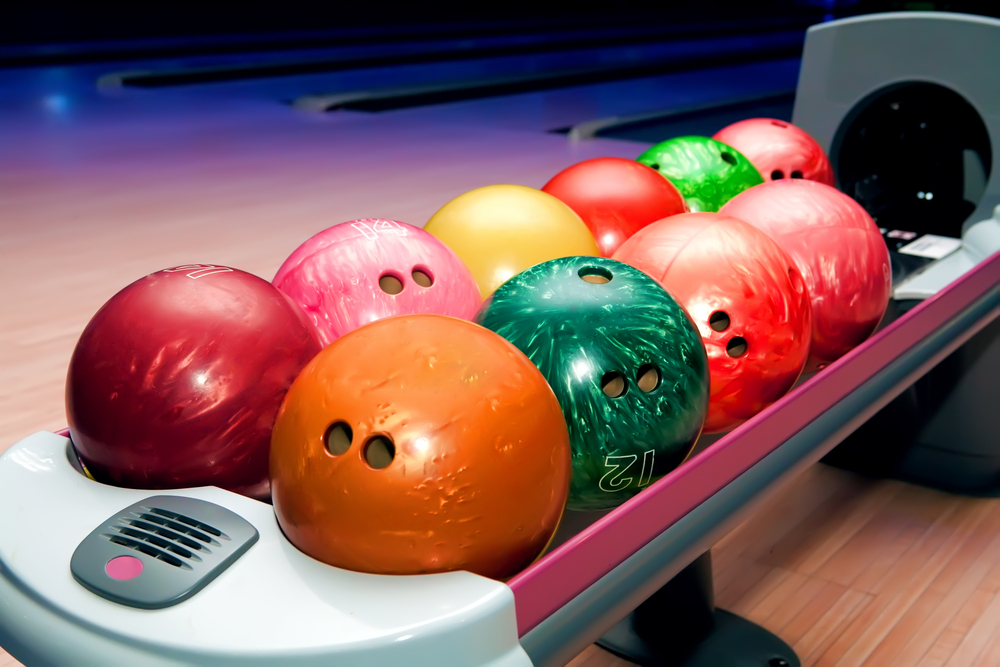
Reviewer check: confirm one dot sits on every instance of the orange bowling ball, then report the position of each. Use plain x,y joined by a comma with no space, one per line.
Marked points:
421,443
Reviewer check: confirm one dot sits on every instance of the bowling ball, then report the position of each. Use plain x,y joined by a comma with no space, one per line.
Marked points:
500,230
176,381
625,362
361,271
707,172
745,295
421,443
778,149
840,252
615,197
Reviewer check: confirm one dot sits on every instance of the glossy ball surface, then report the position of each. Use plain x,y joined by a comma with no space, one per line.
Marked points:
177,380
745,295
500,230
365,270
476,471
840,252
625,362
615,197
778,149
707,172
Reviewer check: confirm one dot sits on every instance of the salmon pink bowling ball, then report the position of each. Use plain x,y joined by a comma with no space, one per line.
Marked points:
778,149
177,380
615,197
839,250
745,295
365,270
421,443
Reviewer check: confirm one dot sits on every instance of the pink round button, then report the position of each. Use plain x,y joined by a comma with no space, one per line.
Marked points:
124,568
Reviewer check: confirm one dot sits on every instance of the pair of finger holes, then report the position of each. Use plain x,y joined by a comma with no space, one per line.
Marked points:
378,451
391,284
595,275
720,321
613,384
777,174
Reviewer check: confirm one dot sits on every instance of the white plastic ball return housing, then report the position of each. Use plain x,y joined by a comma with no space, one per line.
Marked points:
250,597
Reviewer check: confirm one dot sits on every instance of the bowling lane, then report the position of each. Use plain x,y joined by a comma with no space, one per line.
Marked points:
99,190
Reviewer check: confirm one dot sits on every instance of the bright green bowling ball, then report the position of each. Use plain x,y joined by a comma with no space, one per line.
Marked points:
624,360
707,172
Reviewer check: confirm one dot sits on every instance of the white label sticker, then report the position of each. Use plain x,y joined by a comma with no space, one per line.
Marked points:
931,246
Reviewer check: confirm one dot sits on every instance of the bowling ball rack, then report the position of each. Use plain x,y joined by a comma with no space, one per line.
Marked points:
273,603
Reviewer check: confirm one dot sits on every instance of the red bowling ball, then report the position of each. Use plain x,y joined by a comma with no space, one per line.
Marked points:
615,197
745,295
839,250
778,149
177,380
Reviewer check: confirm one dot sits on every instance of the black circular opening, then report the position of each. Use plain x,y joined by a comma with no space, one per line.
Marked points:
338,438
655,166
648,378
390,284
796,174
379,452
736,347
613,384
422,277
728,157
719,320
914,138
777,175
595,274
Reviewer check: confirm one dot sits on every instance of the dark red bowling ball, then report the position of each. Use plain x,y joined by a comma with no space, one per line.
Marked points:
177,380
615,197
778,149
838,248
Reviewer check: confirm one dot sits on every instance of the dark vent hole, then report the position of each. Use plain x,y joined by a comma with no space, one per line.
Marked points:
167,533
163,544
211,530
179,527
149,551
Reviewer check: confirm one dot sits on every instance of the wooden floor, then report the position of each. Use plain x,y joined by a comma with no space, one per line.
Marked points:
851,571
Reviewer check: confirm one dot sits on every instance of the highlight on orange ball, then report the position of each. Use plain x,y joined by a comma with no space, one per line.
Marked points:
419,444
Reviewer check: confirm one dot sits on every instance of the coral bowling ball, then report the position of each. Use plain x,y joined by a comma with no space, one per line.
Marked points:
500,230
615,197
840,252
176,381
625,362
707,172
361,271
778,149
746,297
421,443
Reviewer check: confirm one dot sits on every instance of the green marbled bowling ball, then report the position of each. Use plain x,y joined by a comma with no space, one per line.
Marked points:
624,360
707,172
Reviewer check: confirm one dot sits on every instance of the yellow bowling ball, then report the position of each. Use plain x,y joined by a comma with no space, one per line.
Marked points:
501,230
